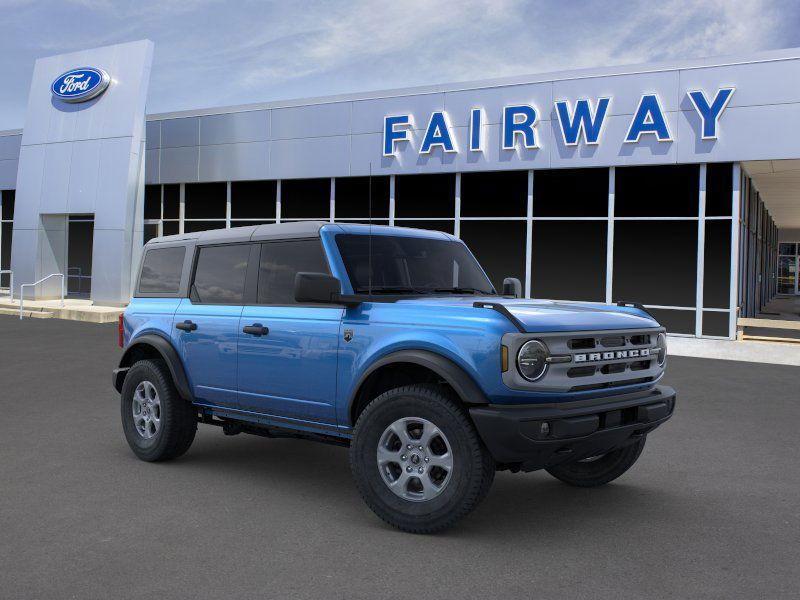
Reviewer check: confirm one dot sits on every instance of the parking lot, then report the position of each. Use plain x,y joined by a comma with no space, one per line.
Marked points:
710,511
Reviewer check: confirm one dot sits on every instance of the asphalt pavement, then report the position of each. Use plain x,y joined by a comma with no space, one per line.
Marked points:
711,510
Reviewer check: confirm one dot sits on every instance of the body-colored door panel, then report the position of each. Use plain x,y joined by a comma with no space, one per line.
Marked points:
291,370
209,352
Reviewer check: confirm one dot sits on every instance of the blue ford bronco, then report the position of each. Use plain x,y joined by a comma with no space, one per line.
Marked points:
393,342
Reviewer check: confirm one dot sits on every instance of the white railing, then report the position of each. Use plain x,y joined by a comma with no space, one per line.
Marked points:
10,282
35,283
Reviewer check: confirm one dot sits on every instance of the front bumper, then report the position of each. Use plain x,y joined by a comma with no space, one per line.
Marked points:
533,437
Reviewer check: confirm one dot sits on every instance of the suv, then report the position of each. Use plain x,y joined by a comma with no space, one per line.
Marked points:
393,342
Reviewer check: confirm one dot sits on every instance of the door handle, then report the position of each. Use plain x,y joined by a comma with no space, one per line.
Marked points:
186,326
256,329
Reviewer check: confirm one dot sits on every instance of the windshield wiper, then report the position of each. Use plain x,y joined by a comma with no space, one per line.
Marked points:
462,290
388,289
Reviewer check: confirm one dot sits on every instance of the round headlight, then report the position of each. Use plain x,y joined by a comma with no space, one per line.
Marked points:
532,360
661,347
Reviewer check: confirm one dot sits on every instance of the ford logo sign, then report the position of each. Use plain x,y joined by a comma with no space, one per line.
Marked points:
80,85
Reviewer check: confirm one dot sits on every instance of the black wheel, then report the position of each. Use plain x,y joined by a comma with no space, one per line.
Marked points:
158,423
599,470
418,461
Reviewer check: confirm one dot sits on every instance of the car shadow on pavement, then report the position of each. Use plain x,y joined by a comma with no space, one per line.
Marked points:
518,505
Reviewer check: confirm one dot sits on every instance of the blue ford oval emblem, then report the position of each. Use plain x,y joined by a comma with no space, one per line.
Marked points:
80,85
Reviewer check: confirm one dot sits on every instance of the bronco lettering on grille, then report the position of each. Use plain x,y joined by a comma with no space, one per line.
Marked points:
616,355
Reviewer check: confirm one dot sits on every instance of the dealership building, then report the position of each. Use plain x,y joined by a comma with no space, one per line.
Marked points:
676,185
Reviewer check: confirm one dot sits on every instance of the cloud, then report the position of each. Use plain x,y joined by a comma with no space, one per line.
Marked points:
216,52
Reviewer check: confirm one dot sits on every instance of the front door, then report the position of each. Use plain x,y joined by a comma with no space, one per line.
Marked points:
787,274
80,233
288,352
206,325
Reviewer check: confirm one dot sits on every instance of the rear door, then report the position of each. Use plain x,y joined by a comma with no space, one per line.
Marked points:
288,351
206,325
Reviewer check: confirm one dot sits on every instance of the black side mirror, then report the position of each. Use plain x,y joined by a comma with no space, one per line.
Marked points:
512,287
316,288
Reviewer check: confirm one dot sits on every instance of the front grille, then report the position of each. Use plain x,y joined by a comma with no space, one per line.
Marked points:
608,384
590,360
613,342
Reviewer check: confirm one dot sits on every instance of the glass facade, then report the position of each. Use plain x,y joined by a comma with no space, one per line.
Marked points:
659,235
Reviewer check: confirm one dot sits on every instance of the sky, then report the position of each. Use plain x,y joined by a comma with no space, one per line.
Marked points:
222,52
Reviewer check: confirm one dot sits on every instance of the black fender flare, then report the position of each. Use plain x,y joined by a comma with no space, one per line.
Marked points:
461,382
167,352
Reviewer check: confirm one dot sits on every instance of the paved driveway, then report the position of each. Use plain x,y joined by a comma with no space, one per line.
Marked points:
712,509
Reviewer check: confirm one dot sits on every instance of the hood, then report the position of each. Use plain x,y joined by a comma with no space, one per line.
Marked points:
551,315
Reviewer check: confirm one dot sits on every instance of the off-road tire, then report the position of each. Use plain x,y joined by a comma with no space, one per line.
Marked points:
178,417
473,466
600,471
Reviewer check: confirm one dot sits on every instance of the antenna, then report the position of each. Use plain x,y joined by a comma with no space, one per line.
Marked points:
369,246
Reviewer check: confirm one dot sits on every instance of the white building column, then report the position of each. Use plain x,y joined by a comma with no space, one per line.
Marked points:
736,203
457,226
529,237
391,199
612,183
701,250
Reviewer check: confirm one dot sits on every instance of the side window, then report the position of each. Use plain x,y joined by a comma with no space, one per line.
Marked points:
220,274
281,261
161,270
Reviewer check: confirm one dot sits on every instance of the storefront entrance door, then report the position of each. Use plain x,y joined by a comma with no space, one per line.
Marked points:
80,232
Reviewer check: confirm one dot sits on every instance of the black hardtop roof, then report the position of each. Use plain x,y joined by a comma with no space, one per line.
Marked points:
286,231
271,231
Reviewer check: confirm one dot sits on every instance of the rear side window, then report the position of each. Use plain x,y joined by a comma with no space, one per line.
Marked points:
280,262
161,270
220,274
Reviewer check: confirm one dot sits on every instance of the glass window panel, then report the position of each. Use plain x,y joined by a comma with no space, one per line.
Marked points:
499,247
280,263
364,221
787,248
446,226
425,196
220,274
717,267
8,204
169,227
306,199
352,197
500,194
192,226
787,274
663,191
172,200
248,223
655,262
675,321
715,323
569,260
253,199
5,250
152,202
150,231
570,193
161,270
206,200
719,189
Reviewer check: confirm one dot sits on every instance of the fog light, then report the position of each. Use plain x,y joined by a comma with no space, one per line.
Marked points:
545,428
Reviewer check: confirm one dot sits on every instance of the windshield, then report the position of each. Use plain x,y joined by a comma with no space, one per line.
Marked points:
411,265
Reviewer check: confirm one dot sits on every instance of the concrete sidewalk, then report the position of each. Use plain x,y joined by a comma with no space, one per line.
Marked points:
777,353
71,310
